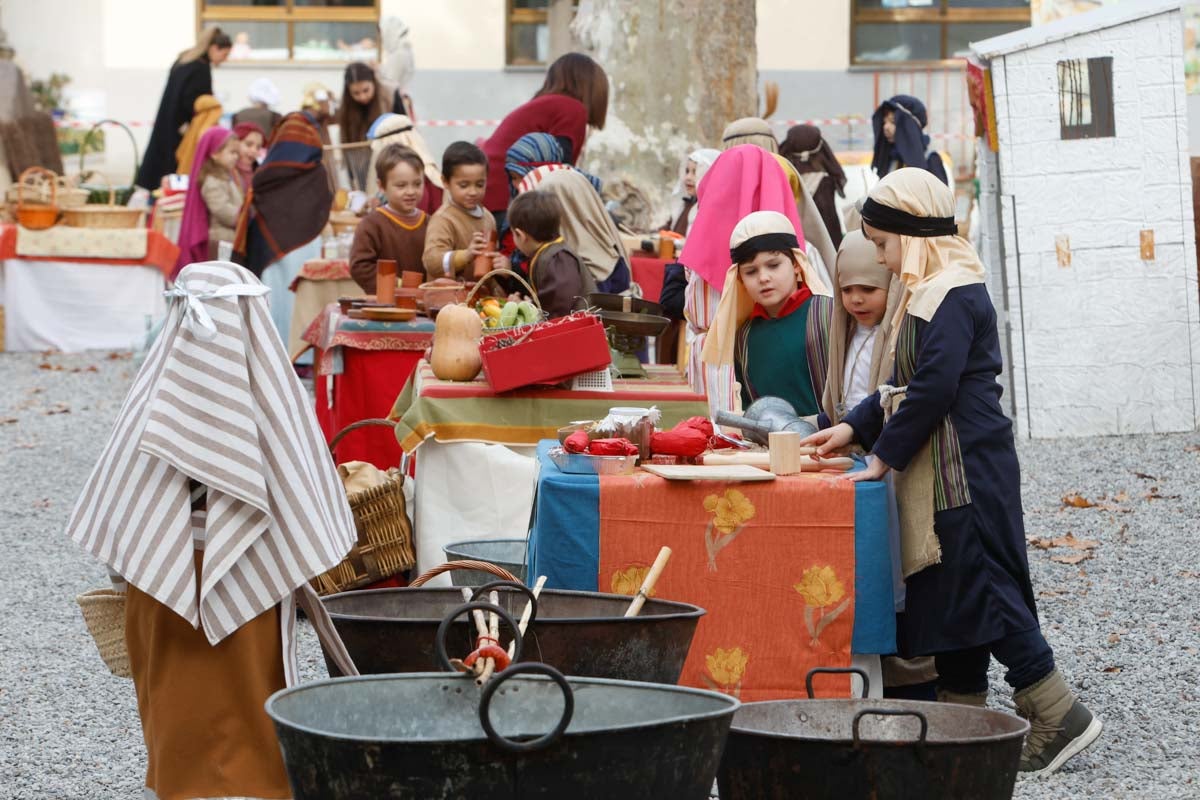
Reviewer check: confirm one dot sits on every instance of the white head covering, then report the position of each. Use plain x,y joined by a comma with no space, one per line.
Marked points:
749,130
736,304
703,158
586,226
399,129
263,90
216,403
398,64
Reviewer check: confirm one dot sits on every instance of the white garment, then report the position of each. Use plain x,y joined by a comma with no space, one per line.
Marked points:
856,380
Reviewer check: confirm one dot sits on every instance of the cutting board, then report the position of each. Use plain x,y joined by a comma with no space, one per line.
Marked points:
763,461
688,472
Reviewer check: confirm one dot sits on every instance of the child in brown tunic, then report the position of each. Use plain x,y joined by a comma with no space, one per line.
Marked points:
557,275
458,231
397,229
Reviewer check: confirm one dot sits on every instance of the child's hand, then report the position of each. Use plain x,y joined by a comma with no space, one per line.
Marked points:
478,245
500,261
875,471
830,439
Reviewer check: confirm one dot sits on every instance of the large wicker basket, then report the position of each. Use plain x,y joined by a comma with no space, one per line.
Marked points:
385,540
103,216
104,614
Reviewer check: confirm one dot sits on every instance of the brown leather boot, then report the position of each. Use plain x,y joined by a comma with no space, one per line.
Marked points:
1060,725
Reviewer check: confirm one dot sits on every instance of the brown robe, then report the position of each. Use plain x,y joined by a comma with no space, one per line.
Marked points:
560,279
382,234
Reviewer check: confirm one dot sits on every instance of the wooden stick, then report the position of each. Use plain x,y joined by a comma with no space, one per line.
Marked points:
481,628
489,664
656,570
525,615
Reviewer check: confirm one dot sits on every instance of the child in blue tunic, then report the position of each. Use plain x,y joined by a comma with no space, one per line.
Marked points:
773,320
940,427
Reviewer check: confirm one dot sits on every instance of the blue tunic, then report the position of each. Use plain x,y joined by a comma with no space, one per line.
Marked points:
980,592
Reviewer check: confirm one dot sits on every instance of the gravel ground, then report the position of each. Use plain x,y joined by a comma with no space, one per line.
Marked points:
1123,621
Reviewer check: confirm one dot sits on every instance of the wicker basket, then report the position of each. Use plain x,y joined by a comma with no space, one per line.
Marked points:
67,194
103,216
385,541
33,214
104,614
97,194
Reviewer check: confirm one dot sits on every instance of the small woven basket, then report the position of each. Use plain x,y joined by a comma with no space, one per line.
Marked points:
104,614
385,541
110,215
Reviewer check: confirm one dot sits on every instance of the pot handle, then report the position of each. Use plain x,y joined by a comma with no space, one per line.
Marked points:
508,745
861,673
890,712
440,642
515,586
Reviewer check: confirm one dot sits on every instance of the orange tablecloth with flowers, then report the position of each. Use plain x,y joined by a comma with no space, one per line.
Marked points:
773,563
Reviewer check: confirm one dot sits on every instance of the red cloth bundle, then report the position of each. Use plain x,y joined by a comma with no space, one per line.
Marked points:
612,447
679,441
577,442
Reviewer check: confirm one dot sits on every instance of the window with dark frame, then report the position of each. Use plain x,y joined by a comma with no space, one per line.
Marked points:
538,31
1085,98
905,32
307,31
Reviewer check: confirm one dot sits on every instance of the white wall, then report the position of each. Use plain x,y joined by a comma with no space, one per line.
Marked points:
1110,344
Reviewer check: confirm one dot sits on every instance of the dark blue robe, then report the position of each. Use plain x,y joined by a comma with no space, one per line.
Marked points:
980,592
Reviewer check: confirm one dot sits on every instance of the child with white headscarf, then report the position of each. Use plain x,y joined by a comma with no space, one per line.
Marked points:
939,428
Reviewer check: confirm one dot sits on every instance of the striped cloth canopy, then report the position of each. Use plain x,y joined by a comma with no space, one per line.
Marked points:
216,403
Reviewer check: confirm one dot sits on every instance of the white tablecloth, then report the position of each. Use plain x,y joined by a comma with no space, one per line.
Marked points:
72,306
468,491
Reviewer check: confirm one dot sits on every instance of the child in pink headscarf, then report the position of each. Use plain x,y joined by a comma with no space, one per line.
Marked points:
210,210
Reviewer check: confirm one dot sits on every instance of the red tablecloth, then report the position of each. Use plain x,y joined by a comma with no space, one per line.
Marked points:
648,273
160,252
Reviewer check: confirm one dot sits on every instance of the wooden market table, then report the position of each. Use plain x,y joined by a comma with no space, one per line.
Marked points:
794,573
321,281
477,467
359,368
74,302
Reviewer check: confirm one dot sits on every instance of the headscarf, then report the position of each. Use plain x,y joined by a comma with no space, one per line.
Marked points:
586,225
911,143
809,152
193,227
535,150
756,232
818,237
703,159
749,130
857,265
216,403
289,200
241,131
934,259
263,90
206,112
398,129
742,180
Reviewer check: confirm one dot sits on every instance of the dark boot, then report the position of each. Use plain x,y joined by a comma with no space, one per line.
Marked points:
1060,725
977,699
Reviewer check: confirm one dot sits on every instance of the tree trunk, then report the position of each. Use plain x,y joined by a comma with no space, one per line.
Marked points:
678,72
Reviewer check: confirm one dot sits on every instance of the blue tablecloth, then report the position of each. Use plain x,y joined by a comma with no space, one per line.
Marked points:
564,545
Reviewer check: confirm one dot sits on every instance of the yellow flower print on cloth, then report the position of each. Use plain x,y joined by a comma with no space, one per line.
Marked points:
629,580
725,670
730,513
821,589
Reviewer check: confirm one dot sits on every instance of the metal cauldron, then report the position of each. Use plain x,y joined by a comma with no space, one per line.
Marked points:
426,736
580,633
506,553
851,749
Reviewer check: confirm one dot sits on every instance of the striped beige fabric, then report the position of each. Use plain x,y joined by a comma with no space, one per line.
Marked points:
216,402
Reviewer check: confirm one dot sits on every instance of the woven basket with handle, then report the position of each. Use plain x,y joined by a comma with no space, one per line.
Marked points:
385,541
103,216
104,614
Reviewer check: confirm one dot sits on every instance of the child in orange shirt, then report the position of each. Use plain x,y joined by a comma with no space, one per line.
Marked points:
459,230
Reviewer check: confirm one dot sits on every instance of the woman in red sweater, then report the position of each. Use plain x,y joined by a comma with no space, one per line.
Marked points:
574,96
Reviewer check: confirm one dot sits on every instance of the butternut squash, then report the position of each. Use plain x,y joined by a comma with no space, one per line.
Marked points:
456,336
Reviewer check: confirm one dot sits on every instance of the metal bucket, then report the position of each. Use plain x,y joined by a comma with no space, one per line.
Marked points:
507,553
421,736
580,633
847,749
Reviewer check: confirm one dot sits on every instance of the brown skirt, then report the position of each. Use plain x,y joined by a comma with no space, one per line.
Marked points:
206,732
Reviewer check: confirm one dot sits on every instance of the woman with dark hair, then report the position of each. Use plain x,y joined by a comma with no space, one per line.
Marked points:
573,96
819,171
190,77
364,99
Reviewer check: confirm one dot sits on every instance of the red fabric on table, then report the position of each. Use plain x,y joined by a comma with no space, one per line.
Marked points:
161,253
366,389
771,562
648,273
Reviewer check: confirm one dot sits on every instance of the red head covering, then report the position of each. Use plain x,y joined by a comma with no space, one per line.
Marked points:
193,229
244,129
742,180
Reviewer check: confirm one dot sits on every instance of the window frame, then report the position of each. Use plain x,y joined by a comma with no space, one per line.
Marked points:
1100,101
940,14
213,12
522,16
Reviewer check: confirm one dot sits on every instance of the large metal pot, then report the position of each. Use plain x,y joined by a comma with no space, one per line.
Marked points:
424,736
580,633
850,749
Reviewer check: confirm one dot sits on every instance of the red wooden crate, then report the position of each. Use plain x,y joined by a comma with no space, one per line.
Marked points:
549,353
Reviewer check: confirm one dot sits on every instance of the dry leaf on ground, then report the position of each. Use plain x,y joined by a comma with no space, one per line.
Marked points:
1112,669
1074,558
1077,501
1114,638
1145,477
1155,494
1075,544
8,420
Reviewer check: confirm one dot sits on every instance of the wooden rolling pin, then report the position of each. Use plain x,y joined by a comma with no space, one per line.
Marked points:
762,460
